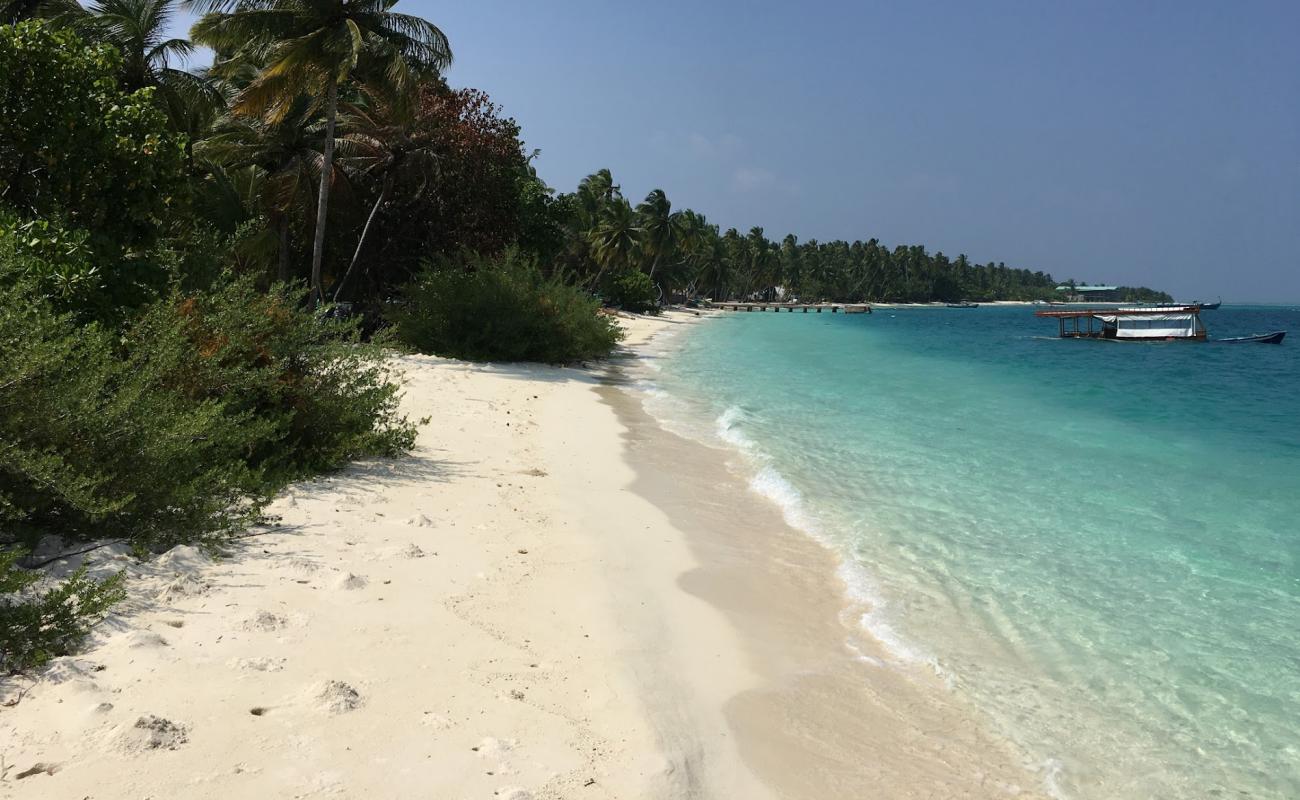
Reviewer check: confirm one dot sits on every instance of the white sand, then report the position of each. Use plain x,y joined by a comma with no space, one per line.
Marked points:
496,616
438,626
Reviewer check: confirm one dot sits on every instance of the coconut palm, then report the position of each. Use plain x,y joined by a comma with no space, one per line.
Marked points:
139,30
383,142
662,228
287,160
312,47
615,238
14,11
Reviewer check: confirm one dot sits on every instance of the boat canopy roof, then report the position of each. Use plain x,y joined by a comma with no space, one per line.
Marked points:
1163,312
1179,317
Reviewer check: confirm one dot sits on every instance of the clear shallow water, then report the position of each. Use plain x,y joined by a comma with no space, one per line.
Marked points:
1099,542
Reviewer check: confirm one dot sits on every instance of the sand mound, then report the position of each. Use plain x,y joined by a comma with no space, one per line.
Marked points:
153,733
349,582
265,621
183,586
411,551
183,558
419,521
338,697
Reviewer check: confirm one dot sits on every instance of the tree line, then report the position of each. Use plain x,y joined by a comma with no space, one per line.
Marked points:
324,145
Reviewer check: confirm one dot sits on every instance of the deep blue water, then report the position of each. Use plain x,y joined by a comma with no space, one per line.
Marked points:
1097,541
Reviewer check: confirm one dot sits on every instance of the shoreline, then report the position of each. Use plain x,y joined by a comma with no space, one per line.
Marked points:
550,597
837,714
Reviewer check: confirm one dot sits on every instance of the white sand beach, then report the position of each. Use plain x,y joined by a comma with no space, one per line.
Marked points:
534,604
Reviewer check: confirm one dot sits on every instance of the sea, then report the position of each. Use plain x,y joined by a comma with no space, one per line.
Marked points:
1098,543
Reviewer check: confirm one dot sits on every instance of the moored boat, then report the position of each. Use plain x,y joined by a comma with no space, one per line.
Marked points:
1151,323
1262,338
964,304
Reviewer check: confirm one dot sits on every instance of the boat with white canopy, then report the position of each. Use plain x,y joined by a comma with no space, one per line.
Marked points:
1156,323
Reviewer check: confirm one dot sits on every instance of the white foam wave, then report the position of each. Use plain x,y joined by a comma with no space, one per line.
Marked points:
861,590
728,429
674,413
771,484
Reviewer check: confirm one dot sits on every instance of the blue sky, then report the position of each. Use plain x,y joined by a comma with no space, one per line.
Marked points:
1133,142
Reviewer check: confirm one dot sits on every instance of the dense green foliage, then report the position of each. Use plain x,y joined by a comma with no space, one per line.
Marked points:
88,172
178,428
73,144
501,309
38,624
1141,294
632,290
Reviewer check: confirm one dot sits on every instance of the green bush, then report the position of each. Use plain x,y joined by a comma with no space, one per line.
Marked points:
36,626
501,309
180,428
73,143
634,291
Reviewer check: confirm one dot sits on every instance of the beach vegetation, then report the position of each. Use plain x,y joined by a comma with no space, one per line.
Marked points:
501,309
42,619
178,427
632,290
317,49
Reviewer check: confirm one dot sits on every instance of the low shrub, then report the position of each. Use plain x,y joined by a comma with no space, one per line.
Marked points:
501,309
36,625
634,291
179,428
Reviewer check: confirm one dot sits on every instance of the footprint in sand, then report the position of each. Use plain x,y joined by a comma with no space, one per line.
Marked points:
74,671
436,721
491,747
258,664
145,639
418,521
304,565
265,621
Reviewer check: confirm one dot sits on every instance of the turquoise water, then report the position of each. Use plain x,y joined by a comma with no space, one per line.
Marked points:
1098,542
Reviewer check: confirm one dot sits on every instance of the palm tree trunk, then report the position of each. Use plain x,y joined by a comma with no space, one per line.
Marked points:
284,248
383,193
592,286
323,201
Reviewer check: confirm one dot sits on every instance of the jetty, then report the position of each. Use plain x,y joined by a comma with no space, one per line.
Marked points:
834,308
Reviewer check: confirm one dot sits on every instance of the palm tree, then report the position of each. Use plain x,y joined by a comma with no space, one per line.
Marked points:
312,47
615,238
662,227
286,158
383,141
138,29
